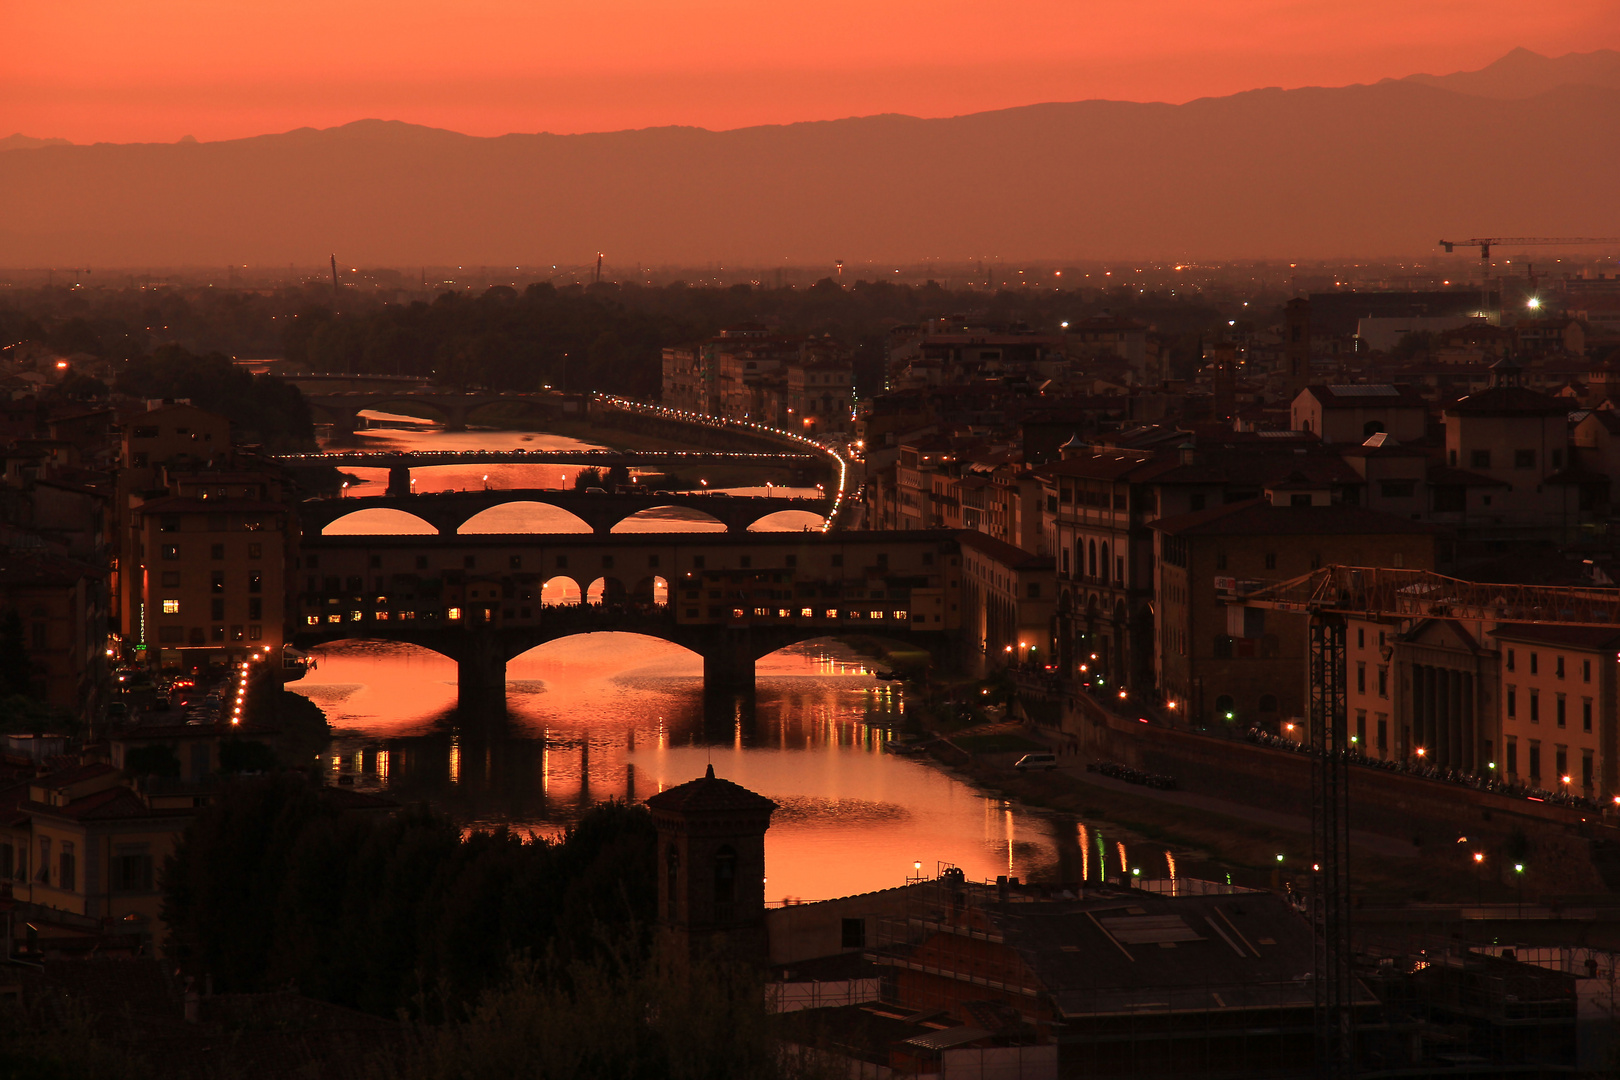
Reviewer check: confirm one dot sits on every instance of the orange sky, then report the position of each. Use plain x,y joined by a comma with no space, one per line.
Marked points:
158,69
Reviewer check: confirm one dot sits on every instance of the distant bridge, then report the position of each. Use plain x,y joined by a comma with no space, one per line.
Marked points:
448,511
732,599
342,409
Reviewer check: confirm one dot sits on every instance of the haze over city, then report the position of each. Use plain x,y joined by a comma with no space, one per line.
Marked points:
696,539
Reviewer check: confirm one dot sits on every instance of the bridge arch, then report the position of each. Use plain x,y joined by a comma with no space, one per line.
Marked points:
524,516
651,590
788,521
379,521
562,589
605,590
669,518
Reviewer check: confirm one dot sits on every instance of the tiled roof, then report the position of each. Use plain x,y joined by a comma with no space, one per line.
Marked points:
1257,517
1008,555
709,794
1508,401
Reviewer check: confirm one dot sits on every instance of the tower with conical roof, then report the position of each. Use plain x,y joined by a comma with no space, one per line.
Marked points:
711,864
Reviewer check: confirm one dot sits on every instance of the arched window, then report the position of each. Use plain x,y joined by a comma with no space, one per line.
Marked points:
1106,564
1092,560
725,875
1065,562
1079,558
1268,703
672,878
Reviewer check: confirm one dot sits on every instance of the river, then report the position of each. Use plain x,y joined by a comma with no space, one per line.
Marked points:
604,716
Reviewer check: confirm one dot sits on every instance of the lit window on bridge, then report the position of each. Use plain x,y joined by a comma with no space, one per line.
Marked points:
853,615
171,607
452,613
312,620
875,615
356,616
782,613
382,599
404,615
382,616
334,618
737,613
832,613
762,612
807,613
900,616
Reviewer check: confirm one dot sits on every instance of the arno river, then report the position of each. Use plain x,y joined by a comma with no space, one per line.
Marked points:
603,716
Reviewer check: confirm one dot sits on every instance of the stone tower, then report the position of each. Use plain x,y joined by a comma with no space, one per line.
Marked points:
1296,346
711,864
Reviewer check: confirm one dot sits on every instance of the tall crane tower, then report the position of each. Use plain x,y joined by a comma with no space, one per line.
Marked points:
1330,597
1485,243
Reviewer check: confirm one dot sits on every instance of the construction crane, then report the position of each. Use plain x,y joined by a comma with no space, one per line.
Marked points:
1329,597
1485,243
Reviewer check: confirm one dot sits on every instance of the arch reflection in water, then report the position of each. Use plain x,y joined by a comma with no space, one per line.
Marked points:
615,715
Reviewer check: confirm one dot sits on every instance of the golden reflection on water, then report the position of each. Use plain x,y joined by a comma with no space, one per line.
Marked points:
593,717
602,716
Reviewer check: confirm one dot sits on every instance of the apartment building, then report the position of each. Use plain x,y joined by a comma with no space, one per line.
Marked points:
1558,707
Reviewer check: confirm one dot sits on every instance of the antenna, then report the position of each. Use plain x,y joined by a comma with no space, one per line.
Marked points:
334,279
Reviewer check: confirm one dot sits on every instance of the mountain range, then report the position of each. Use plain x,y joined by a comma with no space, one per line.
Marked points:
1529,145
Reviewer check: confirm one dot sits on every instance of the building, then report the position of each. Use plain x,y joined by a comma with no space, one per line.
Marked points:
1558,708
84,842
61,606
1009,597
211,584
1218,663
820,397
711,864
1352,414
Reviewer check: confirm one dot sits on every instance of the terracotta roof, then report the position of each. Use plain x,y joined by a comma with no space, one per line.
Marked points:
1008,555
1508,401
1259,517
1598,638
709,794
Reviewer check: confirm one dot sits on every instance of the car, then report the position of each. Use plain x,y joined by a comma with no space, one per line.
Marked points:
595,491
1041,760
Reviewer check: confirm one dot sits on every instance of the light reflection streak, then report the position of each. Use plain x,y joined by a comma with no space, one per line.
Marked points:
1123,867
1085,853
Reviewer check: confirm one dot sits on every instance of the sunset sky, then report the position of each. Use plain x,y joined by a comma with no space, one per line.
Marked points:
157,70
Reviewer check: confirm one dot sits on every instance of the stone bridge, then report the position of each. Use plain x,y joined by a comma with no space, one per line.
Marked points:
730,598
448,511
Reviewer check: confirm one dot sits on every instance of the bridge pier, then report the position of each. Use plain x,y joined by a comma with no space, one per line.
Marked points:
728,666
456,418
399,480
481,671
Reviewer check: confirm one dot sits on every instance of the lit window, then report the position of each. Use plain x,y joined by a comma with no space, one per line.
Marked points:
312,620
832,613
875,615
762,612
782,613
900,615
407,615
737,613
382,616
334,618
853,614
806,613
171,607
356,616
452,613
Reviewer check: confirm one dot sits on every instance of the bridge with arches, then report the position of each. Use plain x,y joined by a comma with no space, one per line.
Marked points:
481,599
448,513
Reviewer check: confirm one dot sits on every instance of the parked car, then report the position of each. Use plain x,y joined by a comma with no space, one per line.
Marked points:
1041,760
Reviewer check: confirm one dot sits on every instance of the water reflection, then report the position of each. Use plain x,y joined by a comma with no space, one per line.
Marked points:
603,716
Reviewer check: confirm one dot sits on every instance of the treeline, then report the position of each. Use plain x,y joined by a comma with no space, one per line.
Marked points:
605,336
262,409
274,885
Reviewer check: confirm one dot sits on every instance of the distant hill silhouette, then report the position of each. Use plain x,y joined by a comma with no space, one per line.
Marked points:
24,142
1522,73
1525,146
